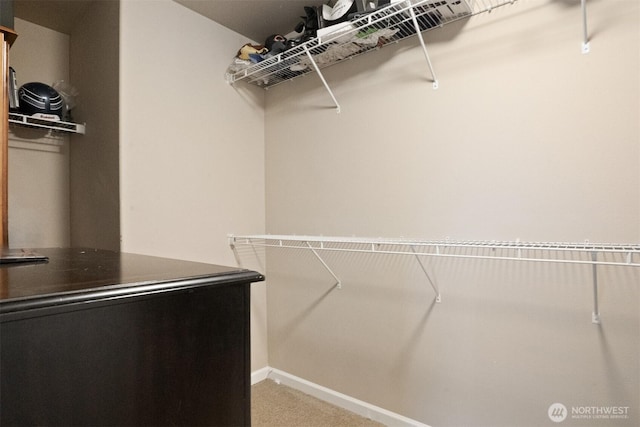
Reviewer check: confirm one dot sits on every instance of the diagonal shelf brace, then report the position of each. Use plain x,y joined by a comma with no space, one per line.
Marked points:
585,35
424,269
338,283
424,47
595,316
232,244
324,82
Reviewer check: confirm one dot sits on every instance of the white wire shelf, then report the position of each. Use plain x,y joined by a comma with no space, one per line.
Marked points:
55,125
590,254
398,21
614,254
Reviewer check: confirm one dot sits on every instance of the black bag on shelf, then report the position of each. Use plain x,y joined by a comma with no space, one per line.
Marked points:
335,12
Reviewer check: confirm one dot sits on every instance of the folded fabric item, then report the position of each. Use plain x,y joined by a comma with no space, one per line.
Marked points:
346,44
365,39
372,36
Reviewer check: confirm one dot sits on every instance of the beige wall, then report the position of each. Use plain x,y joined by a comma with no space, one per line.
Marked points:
94,164
64,188
191,146
525,138
38,163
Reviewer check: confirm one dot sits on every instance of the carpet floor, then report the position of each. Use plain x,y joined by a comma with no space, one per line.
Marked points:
276,405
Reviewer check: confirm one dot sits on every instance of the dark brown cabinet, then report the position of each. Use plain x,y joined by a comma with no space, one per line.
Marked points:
105,338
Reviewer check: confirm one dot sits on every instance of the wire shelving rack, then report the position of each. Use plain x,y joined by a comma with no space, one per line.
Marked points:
590,254
393,23
54,125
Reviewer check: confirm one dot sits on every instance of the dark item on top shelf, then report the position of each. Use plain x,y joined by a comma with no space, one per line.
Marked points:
275,44
366,7
41,101
310,23
304,31
335,12
317,17
293,43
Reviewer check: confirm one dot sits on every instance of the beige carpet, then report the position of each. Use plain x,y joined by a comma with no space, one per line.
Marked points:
276,405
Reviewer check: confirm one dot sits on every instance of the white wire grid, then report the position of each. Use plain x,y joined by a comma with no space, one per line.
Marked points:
612,254
592,254
397,21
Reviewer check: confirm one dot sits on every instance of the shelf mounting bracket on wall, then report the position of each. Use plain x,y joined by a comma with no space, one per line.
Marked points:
424,269
595,316
424,46
338,283
585,36
324,82
621,255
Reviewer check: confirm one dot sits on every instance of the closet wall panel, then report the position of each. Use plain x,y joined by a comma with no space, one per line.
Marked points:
525,138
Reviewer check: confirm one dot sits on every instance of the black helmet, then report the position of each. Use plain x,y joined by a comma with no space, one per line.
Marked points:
40,100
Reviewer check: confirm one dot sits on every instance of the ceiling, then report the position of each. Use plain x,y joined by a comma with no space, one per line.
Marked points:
254,19
59,15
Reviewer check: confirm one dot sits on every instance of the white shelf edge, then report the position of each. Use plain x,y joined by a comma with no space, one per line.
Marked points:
592,254
55,125
397,15
528,251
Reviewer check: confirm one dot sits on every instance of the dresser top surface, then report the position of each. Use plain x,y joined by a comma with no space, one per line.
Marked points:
73,271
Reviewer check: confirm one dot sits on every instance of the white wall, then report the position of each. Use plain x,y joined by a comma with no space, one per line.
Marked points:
525,138
38,164
191,146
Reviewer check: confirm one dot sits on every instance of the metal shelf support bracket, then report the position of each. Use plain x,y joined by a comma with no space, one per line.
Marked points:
595,315
424,269
232,245
324,82
622,255
424,47
585,36
338,283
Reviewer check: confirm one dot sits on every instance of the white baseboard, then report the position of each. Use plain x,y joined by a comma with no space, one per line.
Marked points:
260,375
333,397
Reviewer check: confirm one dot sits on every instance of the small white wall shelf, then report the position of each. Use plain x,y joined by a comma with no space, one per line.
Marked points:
590,254
55,125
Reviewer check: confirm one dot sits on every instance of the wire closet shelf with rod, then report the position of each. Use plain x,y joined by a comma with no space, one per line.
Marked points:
399,20
593,255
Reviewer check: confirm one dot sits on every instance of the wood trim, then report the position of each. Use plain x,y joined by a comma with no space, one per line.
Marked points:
4,138
7,37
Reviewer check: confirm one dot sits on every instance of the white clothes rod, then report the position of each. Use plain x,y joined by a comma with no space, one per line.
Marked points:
593,254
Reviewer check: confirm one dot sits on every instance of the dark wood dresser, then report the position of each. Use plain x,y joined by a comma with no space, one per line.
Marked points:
94,338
